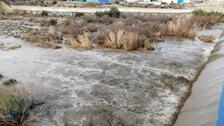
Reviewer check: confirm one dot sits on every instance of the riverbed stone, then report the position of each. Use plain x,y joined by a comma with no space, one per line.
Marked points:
1,76
10,82
14,46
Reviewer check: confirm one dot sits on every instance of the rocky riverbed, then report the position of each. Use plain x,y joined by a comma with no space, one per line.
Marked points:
105,87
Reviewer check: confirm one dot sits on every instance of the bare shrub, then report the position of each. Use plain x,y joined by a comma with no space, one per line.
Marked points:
89,18
91,27
66,22
43,23
82,41
46,40
75,31
182,27
105,20
205,21
130,41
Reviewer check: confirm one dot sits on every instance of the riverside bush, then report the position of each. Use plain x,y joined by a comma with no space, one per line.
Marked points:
113,12
14,107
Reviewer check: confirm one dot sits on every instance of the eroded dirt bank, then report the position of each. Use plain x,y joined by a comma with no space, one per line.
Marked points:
103,87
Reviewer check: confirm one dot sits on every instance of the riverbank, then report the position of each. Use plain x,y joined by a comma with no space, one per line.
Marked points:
201,108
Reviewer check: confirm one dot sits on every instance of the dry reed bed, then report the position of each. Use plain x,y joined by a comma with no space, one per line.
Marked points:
112,29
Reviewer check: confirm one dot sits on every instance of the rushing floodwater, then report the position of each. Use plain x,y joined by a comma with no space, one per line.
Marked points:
103,87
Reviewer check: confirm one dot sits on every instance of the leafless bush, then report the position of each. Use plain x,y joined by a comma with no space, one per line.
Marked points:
82,41
121,39
91,27
46,40
182,27
130,41
205,21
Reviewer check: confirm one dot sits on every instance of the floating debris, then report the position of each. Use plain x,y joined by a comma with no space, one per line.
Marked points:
207,39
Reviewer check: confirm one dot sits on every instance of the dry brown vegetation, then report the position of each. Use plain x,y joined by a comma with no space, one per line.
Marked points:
207,39
42,39
112,29
182,27
15,106
82,41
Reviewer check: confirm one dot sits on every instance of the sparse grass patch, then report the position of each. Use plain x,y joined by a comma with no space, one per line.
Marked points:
201,12
14,106
218,16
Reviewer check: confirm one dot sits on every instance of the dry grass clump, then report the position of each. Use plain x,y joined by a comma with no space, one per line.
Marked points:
46,40
182,27
113,29
186,27
130,41
14,106
82,41
72,27
120,37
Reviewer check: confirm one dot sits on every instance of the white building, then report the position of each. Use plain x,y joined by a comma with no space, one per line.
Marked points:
159,1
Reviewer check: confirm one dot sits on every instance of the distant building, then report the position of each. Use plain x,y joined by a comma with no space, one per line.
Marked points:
98,1
159,1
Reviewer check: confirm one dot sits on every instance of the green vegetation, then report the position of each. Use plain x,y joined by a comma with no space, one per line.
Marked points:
201,12
79,14
52,22
218,15
44,13
14,107
113,12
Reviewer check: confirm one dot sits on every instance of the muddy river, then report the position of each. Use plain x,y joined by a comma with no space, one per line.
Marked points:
104,87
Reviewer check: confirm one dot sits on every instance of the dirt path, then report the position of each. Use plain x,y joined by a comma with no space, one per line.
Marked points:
201,107
92,10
